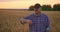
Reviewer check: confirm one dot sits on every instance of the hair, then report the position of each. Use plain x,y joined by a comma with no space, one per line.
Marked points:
37,5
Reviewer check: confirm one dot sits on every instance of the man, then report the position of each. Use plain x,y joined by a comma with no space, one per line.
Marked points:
39,22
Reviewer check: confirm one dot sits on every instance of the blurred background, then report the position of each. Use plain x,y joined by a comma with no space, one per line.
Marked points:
12,10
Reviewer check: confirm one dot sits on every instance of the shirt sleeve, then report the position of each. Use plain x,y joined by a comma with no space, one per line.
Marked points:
22,19
47,25
27,17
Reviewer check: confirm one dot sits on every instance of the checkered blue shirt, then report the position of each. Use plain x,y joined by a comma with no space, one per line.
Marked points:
39,23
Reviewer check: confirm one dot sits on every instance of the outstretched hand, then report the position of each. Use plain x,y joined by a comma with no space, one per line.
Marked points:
26,21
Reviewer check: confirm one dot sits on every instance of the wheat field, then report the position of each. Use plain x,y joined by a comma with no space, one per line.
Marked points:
10,20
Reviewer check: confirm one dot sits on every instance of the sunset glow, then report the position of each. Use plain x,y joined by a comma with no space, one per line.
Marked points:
23,4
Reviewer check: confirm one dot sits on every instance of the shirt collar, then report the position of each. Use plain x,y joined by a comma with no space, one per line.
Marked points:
36,15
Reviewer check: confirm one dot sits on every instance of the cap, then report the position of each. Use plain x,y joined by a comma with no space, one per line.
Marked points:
37,5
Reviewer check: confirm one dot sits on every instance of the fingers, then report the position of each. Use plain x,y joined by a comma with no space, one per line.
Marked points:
25,21
22,20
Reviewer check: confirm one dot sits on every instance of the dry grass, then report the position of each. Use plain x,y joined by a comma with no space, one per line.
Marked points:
10,20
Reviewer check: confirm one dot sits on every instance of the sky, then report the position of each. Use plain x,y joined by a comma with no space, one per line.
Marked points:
24,4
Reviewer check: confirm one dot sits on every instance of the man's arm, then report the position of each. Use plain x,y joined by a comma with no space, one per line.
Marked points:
47,25
25,20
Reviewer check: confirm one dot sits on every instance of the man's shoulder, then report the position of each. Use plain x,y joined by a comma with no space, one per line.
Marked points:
44,15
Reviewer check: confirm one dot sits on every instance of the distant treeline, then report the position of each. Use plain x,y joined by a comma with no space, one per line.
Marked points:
56,7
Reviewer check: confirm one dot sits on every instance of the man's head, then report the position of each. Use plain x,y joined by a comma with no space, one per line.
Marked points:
37,8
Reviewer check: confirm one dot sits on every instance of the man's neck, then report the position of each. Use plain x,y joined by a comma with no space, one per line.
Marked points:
38,14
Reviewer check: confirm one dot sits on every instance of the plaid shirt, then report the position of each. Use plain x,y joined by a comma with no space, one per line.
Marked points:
39,23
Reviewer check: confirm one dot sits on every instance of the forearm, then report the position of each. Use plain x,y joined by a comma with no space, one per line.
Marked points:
22,21
48,28
25,21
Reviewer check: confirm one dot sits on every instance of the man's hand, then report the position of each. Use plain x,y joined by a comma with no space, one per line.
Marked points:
25,21
28,21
